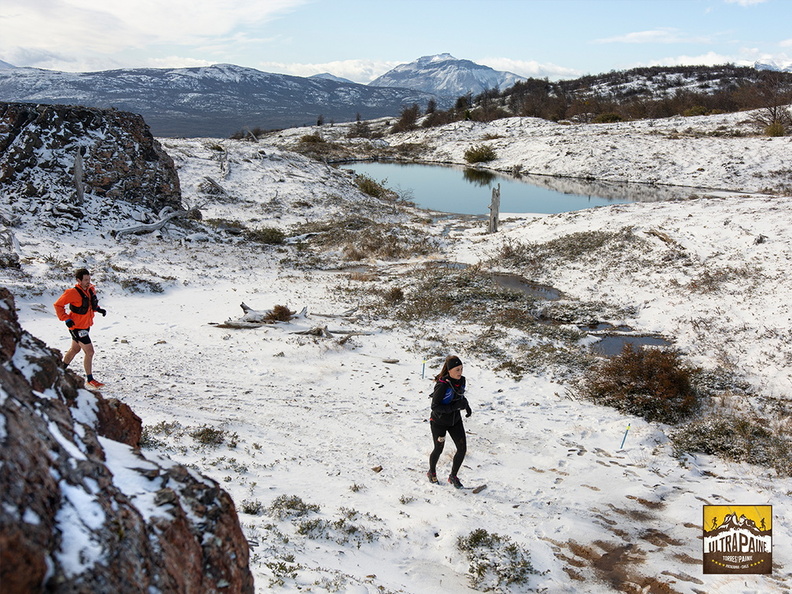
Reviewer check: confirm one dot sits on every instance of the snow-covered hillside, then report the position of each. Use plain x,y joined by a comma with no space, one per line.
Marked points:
321,435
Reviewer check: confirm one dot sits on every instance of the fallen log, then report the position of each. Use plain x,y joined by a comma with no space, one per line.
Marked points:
166,215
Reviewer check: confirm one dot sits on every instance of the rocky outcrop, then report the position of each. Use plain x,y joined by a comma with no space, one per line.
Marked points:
78,166
80,512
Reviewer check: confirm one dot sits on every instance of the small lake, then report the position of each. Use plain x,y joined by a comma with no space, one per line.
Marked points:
469,191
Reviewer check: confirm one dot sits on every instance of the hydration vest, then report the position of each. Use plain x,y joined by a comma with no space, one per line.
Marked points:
89,302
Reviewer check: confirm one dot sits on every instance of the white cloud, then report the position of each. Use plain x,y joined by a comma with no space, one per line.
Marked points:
530,68
662,35
360,71
708,59
786,43
77,31
745,2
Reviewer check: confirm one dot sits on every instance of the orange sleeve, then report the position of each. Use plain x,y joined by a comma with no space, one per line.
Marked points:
61,303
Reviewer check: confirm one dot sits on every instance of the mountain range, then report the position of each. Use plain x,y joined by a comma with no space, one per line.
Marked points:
212,101
222,99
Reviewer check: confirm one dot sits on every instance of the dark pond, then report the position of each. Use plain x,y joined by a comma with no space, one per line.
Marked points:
469,191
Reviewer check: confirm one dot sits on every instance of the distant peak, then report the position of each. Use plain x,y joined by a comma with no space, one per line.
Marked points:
435,58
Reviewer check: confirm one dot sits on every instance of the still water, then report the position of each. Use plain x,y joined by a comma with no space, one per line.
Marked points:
469,191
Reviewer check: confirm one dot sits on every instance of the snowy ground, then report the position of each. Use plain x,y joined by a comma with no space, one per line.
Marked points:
342,426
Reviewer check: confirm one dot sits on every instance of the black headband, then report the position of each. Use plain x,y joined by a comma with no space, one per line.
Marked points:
453,362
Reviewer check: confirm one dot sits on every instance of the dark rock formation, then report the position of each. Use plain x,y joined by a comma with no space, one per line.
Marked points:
80,512
81,166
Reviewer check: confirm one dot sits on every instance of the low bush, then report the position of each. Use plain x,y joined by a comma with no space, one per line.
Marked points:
209,436
311,138
607,118
652,383
496,564
775,129
696,110
735,438
481,153
371,187
265,235
291,506
141,285
279,313
254,507
351,527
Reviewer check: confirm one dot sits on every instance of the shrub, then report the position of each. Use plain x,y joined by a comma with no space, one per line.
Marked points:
148,438
266,235
209,436
734,438
290,506
481,153
607,118
650,383
350,527
408,120
775,129
496,563
254,508
141,285
279,313
311,138
394,295
696,110
369,186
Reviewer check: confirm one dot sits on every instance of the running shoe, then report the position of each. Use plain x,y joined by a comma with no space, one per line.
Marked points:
432,476
452,478
96,384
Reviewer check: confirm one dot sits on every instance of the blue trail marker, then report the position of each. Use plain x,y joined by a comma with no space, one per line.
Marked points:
625,437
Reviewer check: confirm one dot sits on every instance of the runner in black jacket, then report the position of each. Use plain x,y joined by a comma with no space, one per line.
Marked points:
448,399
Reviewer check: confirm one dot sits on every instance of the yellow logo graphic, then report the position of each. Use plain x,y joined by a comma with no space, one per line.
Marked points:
738,538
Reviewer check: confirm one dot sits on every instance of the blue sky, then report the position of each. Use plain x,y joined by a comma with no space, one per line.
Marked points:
361,39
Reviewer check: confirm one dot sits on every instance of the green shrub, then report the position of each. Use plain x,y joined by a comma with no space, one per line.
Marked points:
209,436
607,118
650,383
254,508
350,527
496,563
737,439
696,110
481,153
291,506
408,120
775,129
266,235
369,186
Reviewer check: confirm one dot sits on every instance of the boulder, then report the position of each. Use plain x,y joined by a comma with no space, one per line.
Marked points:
82,512
77,166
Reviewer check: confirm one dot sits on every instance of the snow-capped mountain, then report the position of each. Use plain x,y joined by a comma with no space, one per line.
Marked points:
443,74
214,101
771,65
328,76
5,65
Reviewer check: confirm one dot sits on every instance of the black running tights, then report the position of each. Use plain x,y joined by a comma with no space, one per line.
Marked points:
457,433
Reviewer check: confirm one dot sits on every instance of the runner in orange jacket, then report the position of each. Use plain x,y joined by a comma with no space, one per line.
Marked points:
82,302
